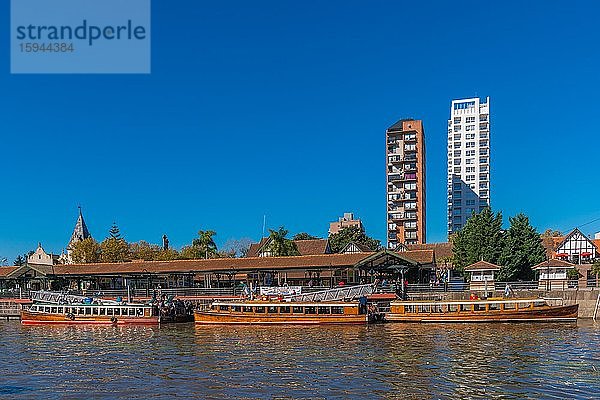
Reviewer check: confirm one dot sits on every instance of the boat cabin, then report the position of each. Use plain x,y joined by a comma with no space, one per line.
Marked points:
93,310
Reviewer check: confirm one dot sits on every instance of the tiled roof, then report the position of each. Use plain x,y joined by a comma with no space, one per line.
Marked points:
420,256
554,263
442,250
310,247
482,265
5,271
212,265
255,247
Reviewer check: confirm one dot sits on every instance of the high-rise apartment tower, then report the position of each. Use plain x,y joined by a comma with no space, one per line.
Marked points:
405,158
468,160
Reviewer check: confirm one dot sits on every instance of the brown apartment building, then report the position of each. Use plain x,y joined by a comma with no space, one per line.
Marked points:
405,177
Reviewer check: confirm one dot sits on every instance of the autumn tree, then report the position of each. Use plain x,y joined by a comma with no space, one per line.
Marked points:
550,233
352,234
86,251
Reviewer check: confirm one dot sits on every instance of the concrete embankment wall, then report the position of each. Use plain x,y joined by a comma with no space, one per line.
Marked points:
586,298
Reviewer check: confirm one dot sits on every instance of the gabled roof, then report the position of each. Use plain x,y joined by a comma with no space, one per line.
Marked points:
314,246
482,266
573,233
554,263
361,247
386,260
305,247
6,271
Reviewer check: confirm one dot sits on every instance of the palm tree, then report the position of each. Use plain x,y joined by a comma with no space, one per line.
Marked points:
280,245
206,244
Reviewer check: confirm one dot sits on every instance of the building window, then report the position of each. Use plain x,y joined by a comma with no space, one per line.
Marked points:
470,136
483,193
457,170
457,161
470,178
457,145
457,195
457,120
470,161
470,144
456,128
456,153
483,185
470,120
483,177
456,211
483,168
470,169
483,143
470,153
410,224
470,202
470,128
457,202
483,117
483,135
410,235
483,160
457,137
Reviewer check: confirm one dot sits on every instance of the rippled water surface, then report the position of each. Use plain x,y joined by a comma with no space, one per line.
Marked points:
378,361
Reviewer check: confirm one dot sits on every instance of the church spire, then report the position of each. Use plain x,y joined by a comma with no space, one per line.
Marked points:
80,232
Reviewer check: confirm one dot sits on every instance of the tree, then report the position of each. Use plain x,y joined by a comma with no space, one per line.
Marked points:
166,255
237,247
280,245
114,247
480,239
143,250
550,233
521,249
339,240
596,268
20,261
206,243
304,236
86,251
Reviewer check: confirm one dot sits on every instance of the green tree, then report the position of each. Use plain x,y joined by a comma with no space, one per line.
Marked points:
167,255
143,250
521,249
20,261
596,268
206,244
480,239
339,240
114,247
86,251
304,236
280,245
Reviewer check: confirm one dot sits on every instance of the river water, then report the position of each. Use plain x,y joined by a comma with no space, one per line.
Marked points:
502,361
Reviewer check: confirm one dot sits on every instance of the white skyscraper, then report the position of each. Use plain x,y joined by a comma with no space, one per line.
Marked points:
468,160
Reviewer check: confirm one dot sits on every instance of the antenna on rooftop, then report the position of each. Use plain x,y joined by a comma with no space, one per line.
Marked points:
264,224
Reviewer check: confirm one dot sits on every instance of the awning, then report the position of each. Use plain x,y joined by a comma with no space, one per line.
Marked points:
562,255
586,254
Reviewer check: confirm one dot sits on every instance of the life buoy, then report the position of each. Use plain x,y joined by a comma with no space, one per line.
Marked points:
113,320
71,316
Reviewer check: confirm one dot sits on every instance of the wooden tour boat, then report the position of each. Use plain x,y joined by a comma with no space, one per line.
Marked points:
275,312
490,310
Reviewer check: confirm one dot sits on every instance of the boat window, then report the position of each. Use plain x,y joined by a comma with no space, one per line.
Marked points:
88,310
46,309
310,310
81,311
102,311
539,303
436,308
60,310
237,308
95,310
509,306
324,310
272,309
494,306
424,308
53,310
452,307
465,307
247,309
479,307
284,309
109,311
297,310
224,308
337,310
410,309
33,308
132,311
259,310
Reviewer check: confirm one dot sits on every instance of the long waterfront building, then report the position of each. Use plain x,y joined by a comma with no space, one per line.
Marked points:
468,160
405,183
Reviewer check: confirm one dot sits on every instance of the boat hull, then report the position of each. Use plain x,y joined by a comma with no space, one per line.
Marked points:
215,318
542,314
30,318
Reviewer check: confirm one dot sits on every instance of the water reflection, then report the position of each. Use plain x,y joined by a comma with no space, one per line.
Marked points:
380,361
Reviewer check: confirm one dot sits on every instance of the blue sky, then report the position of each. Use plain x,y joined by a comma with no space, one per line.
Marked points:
280,108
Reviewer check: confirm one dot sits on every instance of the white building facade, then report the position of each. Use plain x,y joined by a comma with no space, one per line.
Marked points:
468,160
